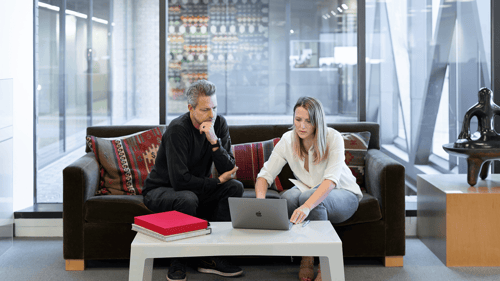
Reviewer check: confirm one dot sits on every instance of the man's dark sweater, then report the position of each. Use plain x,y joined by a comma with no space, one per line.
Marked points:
185,157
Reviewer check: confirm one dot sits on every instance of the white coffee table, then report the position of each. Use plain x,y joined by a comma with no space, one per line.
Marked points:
316,239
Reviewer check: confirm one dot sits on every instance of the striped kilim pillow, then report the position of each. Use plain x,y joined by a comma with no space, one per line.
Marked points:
250,157
356,146
125,162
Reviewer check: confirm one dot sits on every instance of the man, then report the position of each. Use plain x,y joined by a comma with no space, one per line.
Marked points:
180,179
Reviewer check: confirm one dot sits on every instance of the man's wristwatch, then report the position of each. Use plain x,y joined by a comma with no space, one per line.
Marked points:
217,144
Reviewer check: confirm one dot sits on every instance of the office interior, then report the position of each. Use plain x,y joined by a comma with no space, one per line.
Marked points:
414,67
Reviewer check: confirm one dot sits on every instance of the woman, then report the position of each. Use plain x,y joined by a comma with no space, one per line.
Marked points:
325,188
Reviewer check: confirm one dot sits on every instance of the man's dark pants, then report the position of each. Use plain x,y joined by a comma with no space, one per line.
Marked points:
212,206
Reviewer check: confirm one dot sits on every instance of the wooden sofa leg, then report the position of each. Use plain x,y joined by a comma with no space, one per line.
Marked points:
75,265
394,261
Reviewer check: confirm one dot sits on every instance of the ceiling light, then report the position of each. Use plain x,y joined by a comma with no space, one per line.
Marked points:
47,6
99,20
76,14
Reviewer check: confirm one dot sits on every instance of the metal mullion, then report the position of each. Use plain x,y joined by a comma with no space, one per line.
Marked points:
110,60
453,114
35,96
90,62
288,27
125,67
62,77
163,61
495,63
361,23
135,98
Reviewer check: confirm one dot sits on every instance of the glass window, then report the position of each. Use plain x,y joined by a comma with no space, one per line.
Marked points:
99,65
441,130
432,57
263,55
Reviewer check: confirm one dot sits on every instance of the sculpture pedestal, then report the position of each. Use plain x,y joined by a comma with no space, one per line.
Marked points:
458,222
476,157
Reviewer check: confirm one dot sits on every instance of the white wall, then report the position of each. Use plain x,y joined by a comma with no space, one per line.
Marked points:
16,62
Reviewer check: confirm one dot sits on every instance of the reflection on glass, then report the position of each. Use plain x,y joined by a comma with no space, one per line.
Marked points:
48,86
323,54
423,73
110,77
76,74
242,46
100,64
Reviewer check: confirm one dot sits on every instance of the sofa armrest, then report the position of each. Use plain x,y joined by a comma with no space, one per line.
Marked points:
385,180
80,180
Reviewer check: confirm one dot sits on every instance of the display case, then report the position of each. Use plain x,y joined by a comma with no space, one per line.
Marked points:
209,38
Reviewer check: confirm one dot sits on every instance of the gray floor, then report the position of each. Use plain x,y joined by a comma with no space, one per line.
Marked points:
41,259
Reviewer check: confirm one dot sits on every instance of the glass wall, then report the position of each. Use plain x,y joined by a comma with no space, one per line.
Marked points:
262,55
98,65
426,61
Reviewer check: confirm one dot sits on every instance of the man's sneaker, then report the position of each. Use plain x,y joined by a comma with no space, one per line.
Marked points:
177,270
218,265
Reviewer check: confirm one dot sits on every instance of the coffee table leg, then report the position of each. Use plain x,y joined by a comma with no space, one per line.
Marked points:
332,268
140,269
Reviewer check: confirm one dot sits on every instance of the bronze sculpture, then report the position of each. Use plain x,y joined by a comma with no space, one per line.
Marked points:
483,146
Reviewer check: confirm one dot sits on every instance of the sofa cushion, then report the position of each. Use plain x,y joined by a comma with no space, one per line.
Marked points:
250,157
125,162
114,209
368,211
356,146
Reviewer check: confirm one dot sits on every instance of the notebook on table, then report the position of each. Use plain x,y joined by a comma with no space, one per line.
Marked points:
256,213
171,225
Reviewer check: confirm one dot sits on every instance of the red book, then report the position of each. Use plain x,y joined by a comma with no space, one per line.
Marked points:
169,223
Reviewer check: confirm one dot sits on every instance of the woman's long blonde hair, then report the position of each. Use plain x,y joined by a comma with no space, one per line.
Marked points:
317,117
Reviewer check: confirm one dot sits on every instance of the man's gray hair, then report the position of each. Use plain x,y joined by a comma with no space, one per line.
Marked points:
202,87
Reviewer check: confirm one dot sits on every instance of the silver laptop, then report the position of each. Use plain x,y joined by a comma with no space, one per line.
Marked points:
259,213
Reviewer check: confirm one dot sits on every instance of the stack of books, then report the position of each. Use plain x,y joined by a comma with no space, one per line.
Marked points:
170,226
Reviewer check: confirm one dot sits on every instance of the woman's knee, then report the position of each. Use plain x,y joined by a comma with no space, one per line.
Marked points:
292,199
291,195
304,196
318,213
342,207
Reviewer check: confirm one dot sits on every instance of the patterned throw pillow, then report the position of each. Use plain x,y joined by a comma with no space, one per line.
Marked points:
356,146
250,157
125,162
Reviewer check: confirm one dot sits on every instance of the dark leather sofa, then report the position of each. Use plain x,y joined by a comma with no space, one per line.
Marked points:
99,227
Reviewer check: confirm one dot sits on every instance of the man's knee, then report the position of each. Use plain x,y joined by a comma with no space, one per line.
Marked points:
186,199
235,188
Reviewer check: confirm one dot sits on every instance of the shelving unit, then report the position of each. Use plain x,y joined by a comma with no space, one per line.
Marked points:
217,37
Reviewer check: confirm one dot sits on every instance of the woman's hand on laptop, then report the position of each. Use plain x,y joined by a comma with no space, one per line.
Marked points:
300,214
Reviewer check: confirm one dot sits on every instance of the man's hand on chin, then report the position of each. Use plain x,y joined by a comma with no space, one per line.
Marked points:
207,127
